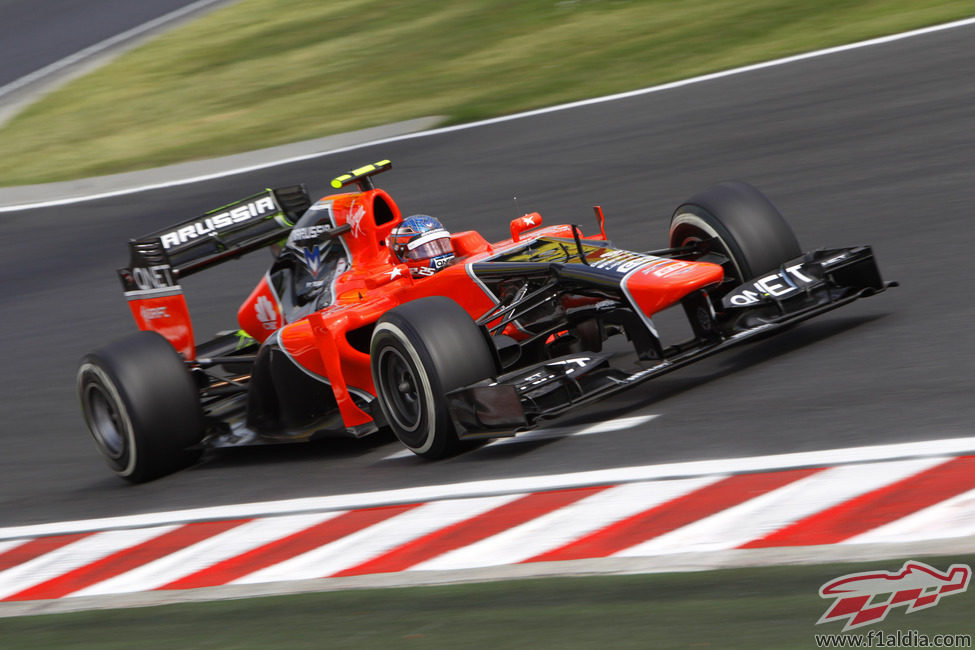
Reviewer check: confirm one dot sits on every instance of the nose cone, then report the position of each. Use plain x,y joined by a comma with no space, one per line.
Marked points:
659,285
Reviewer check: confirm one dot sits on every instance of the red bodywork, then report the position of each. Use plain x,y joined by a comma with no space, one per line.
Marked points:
333,343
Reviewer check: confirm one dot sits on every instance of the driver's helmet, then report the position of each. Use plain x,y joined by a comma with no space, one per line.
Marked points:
422,243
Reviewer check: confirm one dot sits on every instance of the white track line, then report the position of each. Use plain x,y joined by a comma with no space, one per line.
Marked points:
541,111
514,485
547,434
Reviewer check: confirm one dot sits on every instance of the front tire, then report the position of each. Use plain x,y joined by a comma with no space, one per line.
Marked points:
141,406
419,352
742,224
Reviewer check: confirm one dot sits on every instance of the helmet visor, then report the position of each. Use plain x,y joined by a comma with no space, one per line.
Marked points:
432,245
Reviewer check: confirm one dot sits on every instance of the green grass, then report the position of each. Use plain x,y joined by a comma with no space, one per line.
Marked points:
773,607
265,72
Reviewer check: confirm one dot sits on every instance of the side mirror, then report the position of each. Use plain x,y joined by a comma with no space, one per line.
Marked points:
526,222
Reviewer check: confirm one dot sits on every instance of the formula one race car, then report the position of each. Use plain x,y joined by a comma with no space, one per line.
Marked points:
352,329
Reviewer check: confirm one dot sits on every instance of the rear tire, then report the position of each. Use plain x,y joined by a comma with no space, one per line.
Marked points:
141,406
420,351
747,228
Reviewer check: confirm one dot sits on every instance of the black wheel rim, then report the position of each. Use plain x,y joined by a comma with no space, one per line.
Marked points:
106,421
400,389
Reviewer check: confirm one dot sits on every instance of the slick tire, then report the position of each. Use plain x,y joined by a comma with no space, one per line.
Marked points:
141,406
420,351
747,228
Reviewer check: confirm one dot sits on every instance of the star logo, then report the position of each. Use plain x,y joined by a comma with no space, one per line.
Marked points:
396,272
529,220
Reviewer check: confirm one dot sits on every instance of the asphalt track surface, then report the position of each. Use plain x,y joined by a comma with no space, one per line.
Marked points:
867,146
31,40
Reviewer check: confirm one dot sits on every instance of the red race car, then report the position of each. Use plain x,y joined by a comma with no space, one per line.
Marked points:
367,319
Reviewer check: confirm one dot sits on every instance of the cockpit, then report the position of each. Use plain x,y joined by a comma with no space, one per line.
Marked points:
303,275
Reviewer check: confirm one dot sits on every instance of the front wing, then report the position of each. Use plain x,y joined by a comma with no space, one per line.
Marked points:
808,286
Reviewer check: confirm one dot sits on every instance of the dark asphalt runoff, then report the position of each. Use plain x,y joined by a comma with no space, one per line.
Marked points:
35,34
872,146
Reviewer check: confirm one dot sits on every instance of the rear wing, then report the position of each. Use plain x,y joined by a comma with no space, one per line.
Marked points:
227,232
160,259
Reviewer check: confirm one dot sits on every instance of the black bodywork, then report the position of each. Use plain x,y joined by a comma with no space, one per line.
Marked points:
807,286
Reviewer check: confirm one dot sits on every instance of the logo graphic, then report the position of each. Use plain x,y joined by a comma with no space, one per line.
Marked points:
356,213
209,225
266,313
866,598
623,262
313,258
153,313
153,277
674,268
311,232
